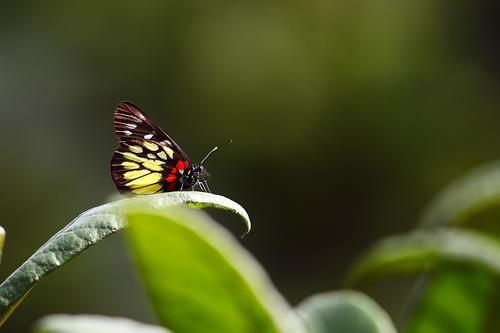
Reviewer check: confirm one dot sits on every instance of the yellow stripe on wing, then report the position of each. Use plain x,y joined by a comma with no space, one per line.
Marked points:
151,146
133,157
135,149
151,165
162,155
149,179
151,189
130,175
169,152
129,165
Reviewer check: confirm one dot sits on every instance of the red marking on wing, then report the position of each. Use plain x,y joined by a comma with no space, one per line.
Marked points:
172,186
171,178
181,165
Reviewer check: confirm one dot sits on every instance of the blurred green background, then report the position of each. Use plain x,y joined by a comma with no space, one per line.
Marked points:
346,117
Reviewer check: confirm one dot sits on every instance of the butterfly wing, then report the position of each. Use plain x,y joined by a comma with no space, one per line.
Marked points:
146,160
130,122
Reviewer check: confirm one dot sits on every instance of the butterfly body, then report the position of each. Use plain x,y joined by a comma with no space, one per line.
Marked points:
147,160
192,175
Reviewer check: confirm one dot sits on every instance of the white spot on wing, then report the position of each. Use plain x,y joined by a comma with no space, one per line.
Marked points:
126,115
131,126
166,143
148,136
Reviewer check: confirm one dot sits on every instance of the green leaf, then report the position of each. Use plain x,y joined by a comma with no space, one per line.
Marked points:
93,324
459,292
456,300
473,198
472,201
424,250
344,311
89,228
200,279
461,268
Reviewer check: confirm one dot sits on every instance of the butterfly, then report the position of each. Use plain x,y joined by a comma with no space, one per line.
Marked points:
147,160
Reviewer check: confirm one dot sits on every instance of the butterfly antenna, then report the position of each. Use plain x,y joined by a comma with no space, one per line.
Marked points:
214,149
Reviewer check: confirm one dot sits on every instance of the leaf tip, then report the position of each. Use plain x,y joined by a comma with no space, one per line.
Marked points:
246,232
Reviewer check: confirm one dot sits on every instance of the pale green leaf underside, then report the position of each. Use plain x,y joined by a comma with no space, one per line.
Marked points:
93,324
199,279
475,192
91,227
344,311
424,250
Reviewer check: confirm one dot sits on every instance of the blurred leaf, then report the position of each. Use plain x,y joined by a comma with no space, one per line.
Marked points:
456,300
462,269
87,229
200,279
93,324
344,311
473,197
459,300
424,250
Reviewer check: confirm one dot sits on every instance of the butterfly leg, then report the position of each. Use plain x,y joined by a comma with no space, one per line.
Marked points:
207,187
202,187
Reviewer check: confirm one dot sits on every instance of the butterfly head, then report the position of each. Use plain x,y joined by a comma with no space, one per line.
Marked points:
195,174
201,172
